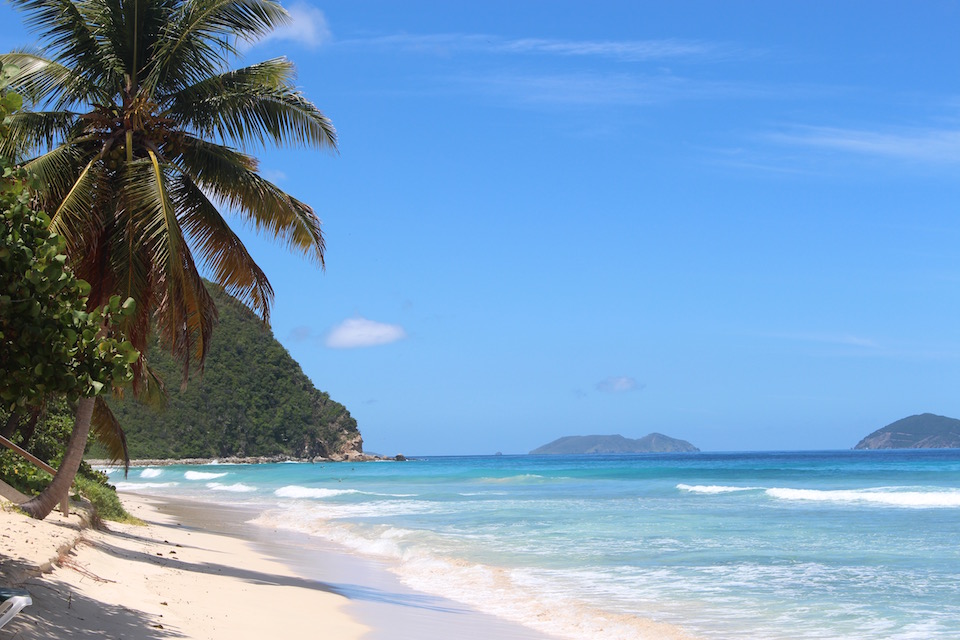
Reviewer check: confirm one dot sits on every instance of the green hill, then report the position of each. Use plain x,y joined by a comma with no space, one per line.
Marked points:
253,399
652,443
925,431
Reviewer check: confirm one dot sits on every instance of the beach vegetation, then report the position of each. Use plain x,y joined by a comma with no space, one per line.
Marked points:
45,438
138,134
104,501
253,400
52,342
136,131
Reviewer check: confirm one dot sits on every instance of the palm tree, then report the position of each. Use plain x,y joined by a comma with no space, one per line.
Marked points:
141,138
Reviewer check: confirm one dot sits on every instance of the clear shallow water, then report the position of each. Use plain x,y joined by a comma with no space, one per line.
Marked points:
757,545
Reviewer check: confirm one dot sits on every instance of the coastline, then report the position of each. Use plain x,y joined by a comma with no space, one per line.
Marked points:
349,456
162,580
197,570
376,596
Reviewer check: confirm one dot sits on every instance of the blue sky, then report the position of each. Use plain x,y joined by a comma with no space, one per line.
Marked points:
730,222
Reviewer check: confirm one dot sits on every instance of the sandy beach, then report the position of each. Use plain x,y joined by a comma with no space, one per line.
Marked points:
162,580
199,571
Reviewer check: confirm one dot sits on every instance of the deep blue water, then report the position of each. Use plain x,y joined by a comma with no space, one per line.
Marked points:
849,544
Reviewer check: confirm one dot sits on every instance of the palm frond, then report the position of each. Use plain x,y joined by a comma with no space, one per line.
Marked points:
185,312
191,103
57,171
43,81
29,131
150,76
148,386
107,430
254,106
231,178
196,42
72,218
221,251
68,30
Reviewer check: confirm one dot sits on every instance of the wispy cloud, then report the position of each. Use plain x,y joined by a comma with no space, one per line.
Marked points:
618,384
929,145
274,175
307,27
849,345
301,333
360,332
842,339
624,50
589,89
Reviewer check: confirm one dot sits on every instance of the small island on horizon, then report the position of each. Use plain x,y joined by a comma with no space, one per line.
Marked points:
614,444
923,431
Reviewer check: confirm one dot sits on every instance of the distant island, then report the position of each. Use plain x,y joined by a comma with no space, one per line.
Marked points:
652,443
925,431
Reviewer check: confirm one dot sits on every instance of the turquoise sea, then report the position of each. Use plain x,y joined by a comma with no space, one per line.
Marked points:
851,544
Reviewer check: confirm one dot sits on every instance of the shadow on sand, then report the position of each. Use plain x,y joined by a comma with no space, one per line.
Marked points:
67,613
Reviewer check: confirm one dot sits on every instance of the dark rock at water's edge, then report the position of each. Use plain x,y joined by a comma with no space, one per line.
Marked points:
925,431
652,443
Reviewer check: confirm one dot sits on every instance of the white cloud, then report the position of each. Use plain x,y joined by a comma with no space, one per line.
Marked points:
925,145
307,26
360,332
618,384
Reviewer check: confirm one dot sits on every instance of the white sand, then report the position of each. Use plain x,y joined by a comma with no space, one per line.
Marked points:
222,578
157,581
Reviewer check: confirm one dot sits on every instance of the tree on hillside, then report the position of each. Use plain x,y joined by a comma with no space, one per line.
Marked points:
140,138
50,345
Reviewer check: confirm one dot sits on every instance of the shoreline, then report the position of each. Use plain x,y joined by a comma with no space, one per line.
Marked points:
350,456
154,582
376,596
379,597
196,571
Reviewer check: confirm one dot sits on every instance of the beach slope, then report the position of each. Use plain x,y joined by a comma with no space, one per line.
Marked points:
155,582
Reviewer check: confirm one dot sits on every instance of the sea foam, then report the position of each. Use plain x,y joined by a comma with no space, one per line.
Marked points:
151,473
915,499
294,491
238,487
514,594
135,486
203,475
712,488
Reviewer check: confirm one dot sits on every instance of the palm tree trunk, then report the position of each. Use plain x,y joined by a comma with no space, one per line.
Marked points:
40,506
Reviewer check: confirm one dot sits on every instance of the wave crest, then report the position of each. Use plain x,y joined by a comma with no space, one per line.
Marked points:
238,487
134,486
914,499
203,475
295,491
713,488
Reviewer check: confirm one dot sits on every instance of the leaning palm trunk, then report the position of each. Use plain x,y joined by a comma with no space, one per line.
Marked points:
40,506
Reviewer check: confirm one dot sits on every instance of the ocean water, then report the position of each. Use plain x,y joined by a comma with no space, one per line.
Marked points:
851,544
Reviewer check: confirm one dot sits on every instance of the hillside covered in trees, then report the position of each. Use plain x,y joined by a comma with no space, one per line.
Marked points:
924,431
252,399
